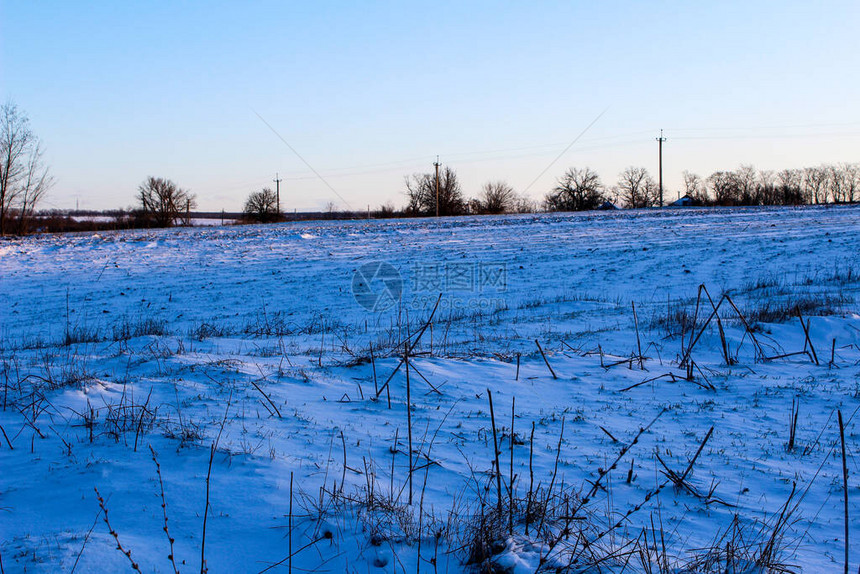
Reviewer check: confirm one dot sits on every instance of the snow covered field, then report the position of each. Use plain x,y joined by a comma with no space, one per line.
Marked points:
248,360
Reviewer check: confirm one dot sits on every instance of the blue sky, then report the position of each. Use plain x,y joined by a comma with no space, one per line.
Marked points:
368,92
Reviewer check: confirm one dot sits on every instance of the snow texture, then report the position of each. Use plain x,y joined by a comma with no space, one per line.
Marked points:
248,344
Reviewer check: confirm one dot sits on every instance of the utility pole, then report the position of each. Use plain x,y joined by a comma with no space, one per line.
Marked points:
277,181
660,141
436,165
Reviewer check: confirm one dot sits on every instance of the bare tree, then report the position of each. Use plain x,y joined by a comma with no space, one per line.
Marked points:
746,180
24,179
524,204
496,197
837,183
767,192
852,181
577,190
789,183
725,186
694,187
651,193
421,194
34,185
815,184
386,210
163,203
262,206
636,188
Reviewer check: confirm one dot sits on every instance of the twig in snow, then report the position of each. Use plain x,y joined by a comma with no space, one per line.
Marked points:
548,366
792,422
126,553
609,434
325,536
702,331
759,350
203,567
170,539
638,340
290,530
410,348
83,546
5,436
805,326
844,483
408,414
496,452
268,399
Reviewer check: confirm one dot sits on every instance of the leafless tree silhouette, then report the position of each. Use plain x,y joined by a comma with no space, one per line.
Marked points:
24,179
421,194
262,206
497,197
164,203
694,187
851,173
636,188
789,183
815,184
746,181
577,190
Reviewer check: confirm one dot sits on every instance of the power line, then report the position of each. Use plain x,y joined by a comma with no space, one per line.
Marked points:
660,141
771,137
418,161
277,181
333,172
298,155
436,165
564,151
397,165
770,127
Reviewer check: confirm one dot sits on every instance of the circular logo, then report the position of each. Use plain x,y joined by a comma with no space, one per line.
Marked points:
377,286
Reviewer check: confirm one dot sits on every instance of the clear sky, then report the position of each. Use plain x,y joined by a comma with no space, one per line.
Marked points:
368,92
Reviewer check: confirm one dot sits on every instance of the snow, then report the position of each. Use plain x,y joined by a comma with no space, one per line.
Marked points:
250,339
195,221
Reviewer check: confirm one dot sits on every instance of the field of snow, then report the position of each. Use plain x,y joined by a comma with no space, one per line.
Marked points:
195,221
639,423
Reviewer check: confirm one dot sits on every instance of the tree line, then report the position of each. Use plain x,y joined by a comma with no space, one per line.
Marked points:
24,181
578,189
581,189
826,183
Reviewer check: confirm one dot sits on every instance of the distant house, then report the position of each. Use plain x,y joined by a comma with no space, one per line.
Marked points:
685,201
607,206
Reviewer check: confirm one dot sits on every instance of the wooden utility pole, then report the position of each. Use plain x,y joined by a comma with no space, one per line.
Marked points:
277,181
660,141
436,165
